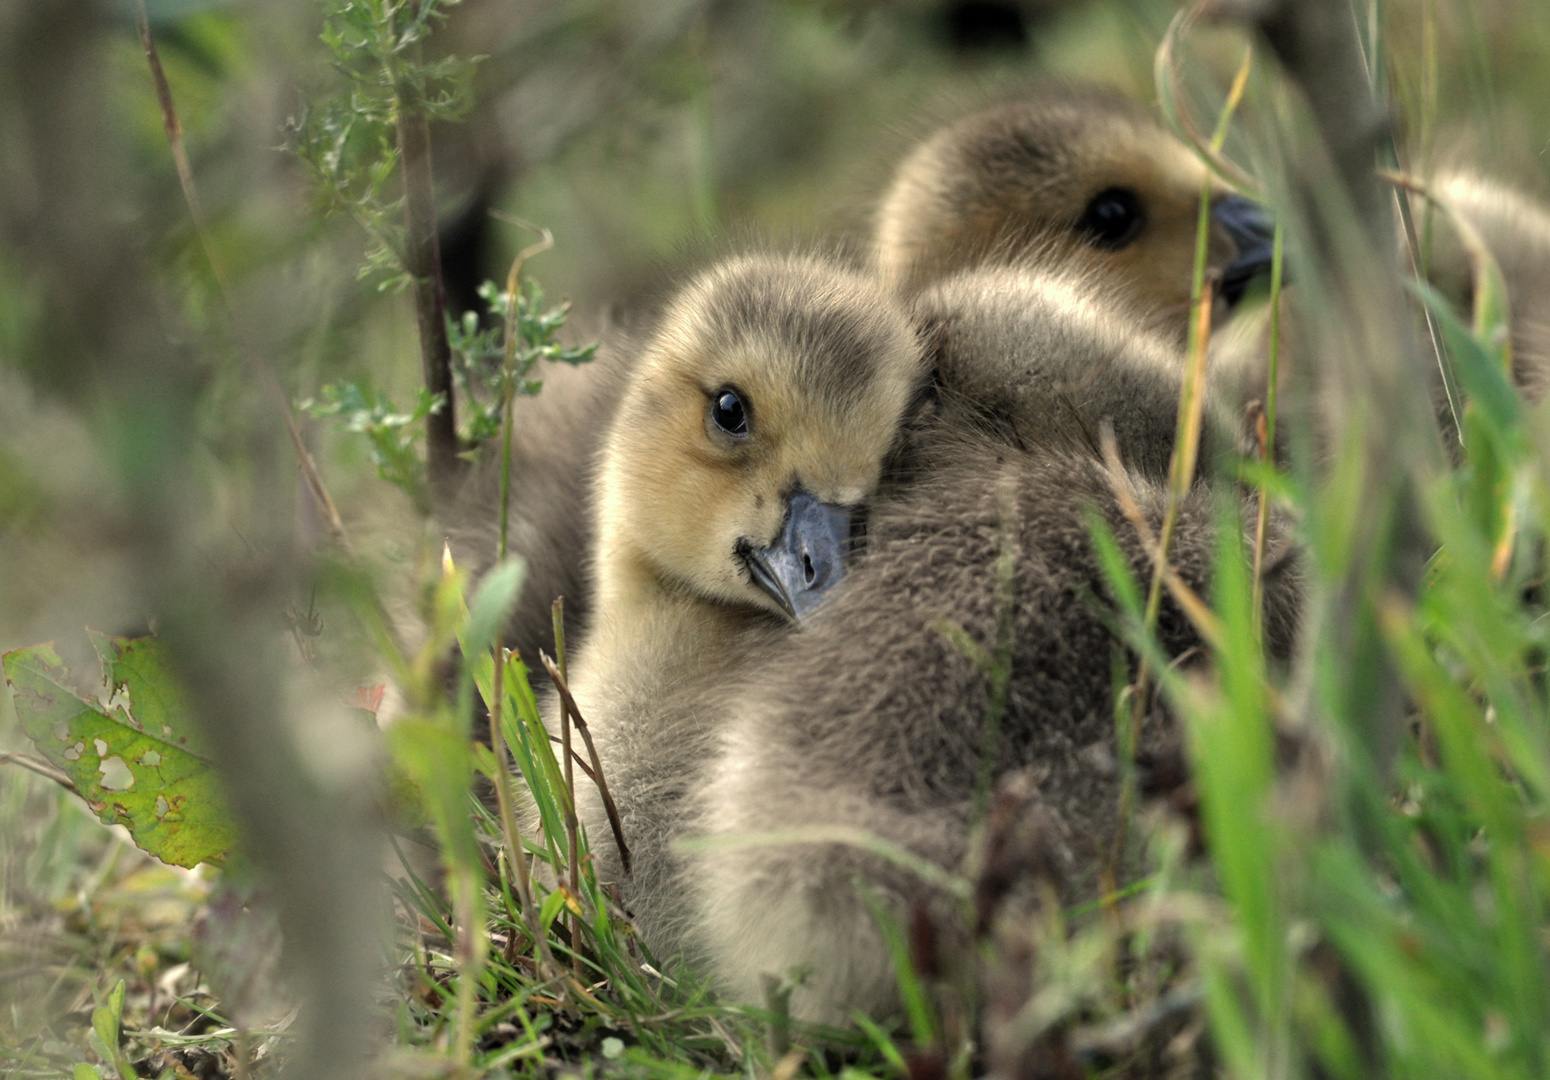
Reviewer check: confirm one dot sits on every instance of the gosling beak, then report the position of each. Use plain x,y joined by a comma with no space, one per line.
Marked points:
806,559
1252,228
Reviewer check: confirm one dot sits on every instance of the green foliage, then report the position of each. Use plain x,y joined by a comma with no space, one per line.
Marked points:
481,368
349,141
23,502
105,1021
1440,897
608,983
392,434
132,759
1388,918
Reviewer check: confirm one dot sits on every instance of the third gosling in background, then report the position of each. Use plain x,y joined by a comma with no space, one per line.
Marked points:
1075,177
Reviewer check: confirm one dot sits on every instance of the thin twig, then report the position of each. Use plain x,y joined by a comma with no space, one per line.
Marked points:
1181,474
569,704
1195,609
509,366
557,613
580,762
169,119
39,766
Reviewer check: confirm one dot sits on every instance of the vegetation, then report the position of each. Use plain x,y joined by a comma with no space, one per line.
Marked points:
1367,902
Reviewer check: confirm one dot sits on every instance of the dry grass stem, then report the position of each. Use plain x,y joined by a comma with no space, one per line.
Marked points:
1181,473
37,765
568,703
1195,609
579,761
1171,99
1186,453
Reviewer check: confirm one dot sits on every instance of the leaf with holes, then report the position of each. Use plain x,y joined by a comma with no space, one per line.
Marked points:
132,760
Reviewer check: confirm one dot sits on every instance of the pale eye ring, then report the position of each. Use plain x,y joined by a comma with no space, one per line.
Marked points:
728,414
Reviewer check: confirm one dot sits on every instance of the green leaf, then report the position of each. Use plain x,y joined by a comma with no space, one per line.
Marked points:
1484,377
83,1071
105,1024
146,691
131,762
1116,567
105,1018
551,908
440,763
492,605
917,1002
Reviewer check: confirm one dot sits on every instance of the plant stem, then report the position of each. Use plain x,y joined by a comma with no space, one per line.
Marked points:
422,258
612,810
471,944
1181,475
570,783
1186,446
513,837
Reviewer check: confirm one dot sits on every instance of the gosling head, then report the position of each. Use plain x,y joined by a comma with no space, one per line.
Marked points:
756,425
1068,177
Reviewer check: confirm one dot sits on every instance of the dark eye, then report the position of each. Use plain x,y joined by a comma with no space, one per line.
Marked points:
1112,219
726,411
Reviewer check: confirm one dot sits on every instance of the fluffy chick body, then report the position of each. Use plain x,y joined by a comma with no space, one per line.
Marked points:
825,365
1516,229
1047,358
869,717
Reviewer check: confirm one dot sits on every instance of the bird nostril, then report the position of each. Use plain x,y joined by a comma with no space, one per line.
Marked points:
807,568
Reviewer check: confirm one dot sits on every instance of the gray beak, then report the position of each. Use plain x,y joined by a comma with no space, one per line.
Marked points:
807,559
1252,229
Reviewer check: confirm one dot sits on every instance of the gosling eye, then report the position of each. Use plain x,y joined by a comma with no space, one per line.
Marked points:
728,414
1113,219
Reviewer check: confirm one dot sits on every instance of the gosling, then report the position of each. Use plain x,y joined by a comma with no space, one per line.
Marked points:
753,427
872,718
1075,178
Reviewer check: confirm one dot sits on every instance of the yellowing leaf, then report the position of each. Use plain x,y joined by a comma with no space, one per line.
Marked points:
132,763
